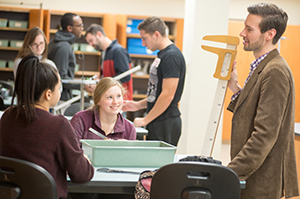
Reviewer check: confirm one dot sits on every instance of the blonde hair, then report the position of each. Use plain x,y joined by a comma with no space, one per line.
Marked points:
102,86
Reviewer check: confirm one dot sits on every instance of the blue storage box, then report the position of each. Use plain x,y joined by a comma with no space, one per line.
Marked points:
130,29
140,50
134,22
132,26
135,46
134,42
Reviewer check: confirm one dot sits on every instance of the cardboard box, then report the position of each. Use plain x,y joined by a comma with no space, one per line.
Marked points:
129,153
17,24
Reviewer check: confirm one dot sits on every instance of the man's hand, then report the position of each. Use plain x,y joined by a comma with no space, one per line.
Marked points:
90,88
129,105
233,83
139,121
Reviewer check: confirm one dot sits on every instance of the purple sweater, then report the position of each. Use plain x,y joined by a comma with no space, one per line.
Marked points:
83,120
48,141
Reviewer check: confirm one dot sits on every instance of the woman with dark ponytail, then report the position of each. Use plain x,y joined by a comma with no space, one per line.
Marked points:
29,132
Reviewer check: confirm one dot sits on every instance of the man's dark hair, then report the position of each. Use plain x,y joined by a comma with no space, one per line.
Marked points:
152,24
67,20
272,18
94,28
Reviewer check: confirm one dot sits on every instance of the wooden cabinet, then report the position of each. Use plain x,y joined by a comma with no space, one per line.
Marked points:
8,52
140,79
89,61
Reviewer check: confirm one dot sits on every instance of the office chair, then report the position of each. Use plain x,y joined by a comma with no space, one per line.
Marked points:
2,107
195,180
26,180
6,84
74,108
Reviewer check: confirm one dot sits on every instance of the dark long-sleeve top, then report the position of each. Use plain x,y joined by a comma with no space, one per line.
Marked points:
83,120
115,62
60,51
48,141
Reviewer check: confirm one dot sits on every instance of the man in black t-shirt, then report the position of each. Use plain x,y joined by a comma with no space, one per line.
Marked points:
166,82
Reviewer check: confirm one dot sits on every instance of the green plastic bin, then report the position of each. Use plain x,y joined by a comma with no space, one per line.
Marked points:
2,63
75,46
17,24
87,48
10,64
3,42
128,153
16,43
3,22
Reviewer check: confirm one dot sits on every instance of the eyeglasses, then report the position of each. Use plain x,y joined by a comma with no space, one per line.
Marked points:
35,45
80,25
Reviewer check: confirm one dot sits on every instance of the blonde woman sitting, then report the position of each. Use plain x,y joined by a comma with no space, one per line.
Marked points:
104,116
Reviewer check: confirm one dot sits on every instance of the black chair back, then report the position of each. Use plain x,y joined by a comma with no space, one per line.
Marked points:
74,108
23,179
191,180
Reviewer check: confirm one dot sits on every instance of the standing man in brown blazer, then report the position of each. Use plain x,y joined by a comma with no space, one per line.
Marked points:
262,136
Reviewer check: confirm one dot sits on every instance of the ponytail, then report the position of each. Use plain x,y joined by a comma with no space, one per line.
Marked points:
32,79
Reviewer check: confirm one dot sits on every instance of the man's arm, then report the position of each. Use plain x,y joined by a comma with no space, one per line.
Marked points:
121,63
61,60
134,105
169,87
268,118
90,88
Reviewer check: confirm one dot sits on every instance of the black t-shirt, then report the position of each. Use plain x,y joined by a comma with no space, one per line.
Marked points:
169,63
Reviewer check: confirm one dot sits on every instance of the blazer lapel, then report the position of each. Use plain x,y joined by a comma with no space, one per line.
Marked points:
253,79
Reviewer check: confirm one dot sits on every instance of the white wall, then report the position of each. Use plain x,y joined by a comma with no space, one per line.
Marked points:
200,85
163,8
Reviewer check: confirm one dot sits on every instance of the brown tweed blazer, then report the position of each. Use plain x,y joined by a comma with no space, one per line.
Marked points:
262,137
